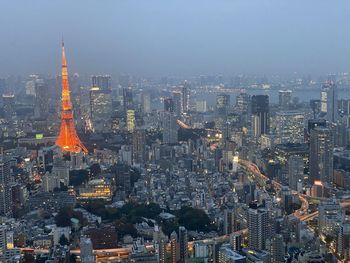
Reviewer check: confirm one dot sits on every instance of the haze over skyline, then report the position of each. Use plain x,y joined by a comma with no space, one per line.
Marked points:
181,37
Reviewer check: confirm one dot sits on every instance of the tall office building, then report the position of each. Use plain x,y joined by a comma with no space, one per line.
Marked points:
101,81
5,186
41,106
290,126
127,98
183,243
169,105
243,103
139,146
100,106
257,227
170,127
222,103
284,99
185,90
146,102
260,114
130,120
329,102
8,101
295,171
177,99
321,155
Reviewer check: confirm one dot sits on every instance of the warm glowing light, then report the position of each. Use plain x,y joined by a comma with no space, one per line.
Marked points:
67,139
318,183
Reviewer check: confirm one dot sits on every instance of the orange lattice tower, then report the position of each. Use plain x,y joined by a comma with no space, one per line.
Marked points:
68,139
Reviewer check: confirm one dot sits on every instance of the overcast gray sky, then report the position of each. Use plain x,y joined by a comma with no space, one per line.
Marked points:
175,37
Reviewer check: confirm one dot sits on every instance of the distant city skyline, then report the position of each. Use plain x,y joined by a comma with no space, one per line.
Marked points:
156,38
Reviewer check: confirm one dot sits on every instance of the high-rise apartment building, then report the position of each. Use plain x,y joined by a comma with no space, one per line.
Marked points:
185,90
321,155
277,249
177,99
257,227
5,185
139,146
183,243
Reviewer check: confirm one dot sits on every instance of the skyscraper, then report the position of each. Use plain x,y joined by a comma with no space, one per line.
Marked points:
101,81
170,127
329,102
260,114
183,242
284,99
290,126
277,249
5,185
229,221
146,102
8,101
257,227
67,139
222,103
173,247
169,105
243,103
41,106
130,120
127,98
321,155
177,99
185,90
100,106
295,171
139,146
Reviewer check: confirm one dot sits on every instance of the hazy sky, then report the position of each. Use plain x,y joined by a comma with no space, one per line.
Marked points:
175,37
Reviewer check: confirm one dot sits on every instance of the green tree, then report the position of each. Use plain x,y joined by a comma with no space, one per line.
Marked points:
77,177
194,219
125,228
63,240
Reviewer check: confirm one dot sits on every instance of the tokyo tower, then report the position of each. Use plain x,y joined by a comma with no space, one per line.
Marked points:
67,139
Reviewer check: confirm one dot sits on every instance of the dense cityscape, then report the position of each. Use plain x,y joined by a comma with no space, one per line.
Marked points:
209,169
182,131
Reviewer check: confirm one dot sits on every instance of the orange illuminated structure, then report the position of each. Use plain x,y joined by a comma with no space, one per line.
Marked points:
67,139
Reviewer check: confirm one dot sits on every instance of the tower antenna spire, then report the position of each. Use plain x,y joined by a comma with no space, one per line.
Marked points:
67,139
